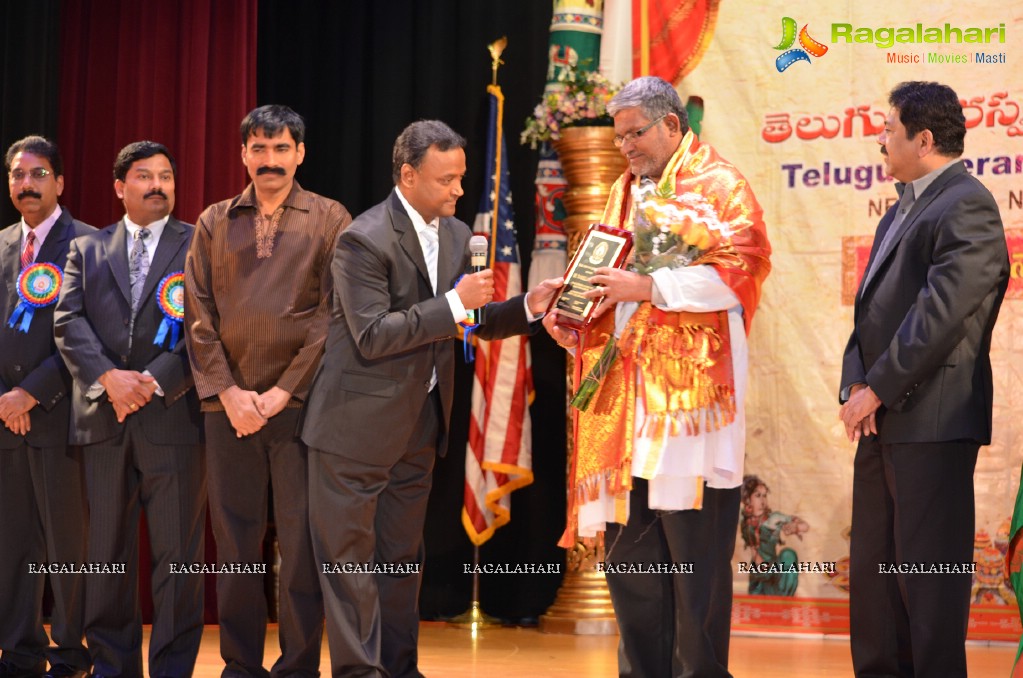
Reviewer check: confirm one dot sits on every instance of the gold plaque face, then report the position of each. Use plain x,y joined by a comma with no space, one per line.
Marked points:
601,246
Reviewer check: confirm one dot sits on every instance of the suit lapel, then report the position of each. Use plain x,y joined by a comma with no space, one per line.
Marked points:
408,239
447,258
10,258
56,241
115,246
171,240
919,205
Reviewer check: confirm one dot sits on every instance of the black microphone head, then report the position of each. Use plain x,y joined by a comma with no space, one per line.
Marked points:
478,245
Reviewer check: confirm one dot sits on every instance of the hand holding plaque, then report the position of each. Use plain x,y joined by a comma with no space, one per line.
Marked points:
601,246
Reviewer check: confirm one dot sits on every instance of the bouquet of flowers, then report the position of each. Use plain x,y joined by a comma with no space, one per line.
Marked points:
672,231
577,98
669,231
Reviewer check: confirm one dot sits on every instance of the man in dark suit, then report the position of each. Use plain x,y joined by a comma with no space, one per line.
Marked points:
380,403
42,501
916,383
118,326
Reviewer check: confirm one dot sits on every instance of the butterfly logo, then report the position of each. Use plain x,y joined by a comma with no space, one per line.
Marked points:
807,45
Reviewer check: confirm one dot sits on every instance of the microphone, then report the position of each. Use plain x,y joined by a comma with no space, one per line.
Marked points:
478,248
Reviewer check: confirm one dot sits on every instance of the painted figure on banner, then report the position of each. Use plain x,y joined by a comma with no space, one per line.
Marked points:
916,392
43,514
258,298
991,585
839,578
764,532
136,415
660,422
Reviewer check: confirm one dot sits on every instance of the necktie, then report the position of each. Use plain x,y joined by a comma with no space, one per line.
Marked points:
28,255
138,268
905,204
431,245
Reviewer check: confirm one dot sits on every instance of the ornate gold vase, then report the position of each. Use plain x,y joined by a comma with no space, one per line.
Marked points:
591,164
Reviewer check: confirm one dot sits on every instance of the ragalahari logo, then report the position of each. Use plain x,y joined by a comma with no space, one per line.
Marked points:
788,38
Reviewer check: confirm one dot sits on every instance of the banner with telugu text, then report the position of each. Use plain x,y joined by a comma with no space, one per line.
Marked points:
796,99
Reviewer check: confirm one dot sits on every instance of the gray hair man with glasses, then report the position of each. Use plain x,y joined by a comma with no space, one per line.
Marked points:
661,448
42,505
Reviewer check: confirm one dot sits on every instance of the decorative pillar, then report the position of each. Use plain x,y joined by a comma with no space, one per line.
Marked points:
591,165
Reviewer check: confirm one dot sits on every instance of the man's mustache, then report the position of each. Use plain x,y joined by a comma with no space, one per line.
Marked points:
29,193
271,170
154,193
884,150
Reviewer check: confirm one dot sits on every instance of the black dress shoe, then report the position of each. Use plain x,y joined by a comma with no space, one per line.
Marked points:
65,671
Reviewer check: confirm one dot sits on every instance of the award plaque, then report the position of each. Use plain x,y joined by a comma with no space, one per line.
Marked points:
601,246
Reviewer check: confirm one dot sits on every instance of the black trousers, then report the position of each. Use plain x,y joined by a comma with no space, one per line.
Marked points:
43,519
912,503
674,625
240,472
123,477
373,619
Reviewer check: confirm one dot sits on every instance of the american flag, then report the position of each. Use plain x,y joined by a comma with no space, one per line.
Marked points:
499,456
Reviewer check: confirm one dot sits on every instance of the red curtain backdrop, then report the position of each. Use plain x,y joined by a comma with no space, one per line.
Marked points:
181,73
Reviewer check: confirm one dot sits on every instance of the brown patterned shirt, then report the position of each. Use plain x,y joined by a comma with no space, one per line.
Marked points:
257,299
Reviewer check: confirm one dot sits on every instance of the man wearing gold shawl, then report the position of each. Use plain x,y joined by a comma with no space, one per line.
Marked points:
659,445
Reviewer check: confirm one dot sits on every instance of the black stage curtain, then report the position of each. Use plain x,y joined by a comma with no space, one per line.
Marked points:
29,77
359,72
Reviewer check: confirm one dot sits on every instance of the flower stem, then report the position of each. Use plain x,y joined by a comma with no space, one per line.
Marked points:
591,382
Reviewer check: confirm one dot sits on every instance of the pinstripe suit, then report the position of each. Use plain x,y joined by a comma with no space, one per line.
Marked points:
152,461
42,502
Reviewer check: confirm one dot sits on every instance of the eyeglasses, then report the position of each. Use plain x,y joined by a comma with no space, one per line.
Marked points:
633,137
37,173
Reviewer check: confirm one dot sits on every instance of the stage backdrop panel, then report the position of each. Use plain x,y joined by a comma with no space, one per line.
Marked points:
804,130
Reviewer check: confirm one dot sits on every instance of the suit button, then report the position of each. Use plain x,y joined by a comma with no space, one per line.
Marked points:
126,321
124,359
426,385
17,368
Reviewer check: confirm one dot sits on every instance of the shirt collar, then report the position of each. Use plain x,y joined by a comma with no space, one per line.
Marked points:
155,228
42,230
923,183
417,219
297,198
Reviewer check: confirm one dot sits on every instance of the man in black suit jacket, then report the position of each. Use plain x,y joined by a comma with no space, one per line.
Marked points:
380,403
917,388
42,501
118,326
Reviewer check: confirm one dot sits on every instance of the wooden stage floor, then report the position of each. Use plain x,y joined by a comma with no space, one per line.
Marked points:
508,652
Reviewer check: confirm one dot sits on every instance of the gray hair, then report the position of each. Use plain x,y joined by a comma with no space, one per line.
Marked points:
415,140
654,96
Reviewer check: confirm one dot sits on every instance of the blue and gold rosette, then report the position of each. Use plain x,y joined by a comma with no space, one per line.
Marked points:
170,297
38,286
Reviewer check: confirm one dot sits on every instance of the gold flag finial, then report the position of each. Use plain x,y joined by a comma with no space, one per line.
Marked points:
495,48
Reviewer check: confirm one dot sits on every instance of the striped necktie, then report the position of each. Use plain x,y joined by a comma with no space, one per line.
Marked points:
28,255
431,245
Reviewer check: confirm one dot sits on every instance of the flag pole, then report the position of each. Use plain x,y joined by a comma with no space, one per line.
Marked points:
475,618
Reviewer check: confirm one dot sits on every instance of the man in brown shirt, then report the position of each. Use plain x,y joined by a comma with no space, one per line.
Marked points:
258,287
